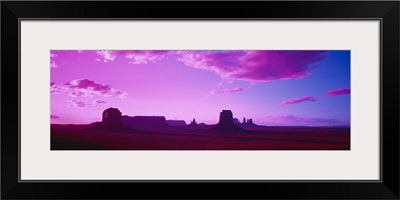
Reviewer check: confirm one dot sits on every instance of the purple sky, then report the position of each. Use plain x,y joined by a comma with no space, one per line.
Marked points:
279,88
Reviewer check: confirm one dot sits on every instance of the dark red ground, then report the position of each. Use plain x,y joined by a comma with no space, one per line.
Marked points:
268,138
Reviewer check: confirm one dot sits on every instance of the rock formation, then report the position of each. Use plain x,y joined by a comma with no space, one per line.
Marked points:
111,116
112,120
225,124
248,124
146,122
176,122
225,117
193,123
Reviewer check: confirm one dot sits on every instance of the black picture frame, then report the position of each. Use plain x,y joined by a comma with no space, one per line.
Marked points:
386,11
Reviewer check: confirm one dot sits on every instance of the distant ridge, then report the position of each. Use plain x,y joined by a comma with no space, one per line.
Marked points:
146,122
113,120
176,122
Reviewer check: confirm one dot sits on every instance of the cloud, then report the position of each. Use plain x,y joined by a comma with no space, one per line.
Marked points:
55,89
78,104
143,57
247,65
52,63
298,100
54,117
221,62
237,89
107,55
255,66
97,102
290,120
85,104
133,56
341,91
87,87
77,94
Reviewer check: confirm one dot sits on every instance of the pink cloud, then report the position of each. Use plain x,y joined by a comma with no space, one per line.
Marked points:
55,89
134,56
78,104
341,91
52,63
298,100
54,117
107,55
221,62
87,87
97,102
143,57
301,121
255,66
77,94
85,104
237,89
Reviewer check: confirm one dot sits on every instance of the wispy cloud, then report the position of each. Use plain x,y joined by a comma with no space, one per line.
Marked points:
107,55
341,91
143,57
85,104
237,89
78,104
56,89
87,87
133,56
291,120
52,62
298,100
54,116
97,102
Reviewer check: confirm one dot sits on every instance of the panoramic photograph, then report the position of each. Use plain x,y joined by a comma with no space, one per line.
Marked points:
200,99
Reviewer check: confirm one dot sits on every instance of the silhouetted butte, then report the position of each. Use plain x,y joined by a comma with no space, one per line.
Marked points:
112,120
225,124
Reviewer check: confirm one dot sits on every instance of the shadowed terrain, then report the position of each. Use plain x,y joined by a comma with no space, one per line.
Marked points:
117,132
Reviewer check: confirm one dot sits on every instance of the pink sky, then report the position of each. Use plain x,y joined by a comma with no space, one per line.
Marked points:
272,87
